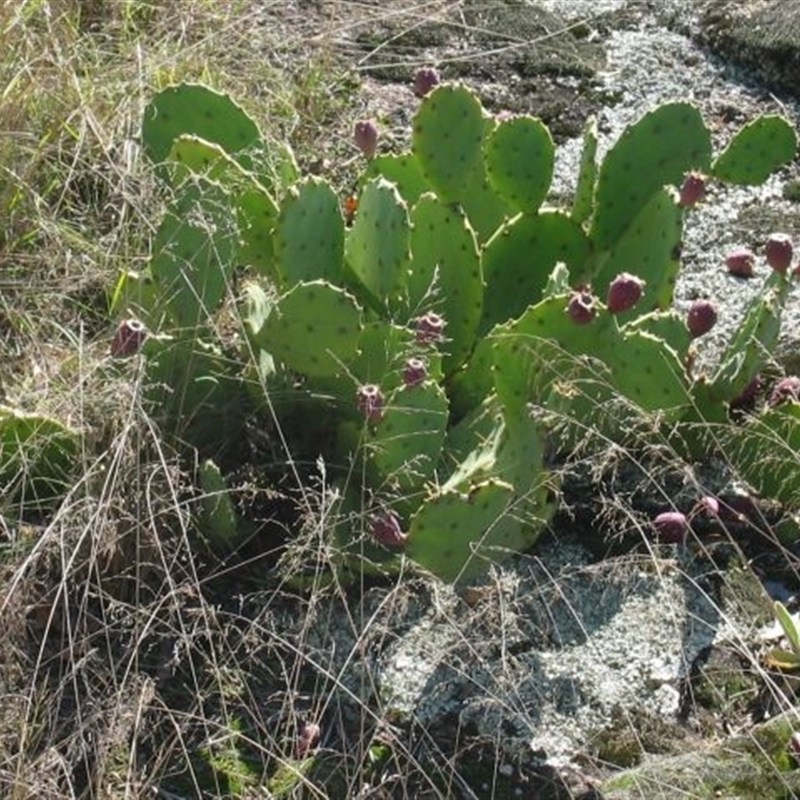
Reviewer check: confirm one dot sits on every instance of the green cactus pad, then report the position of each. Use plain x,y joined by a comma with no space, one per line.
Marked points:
38,458
648,247
756,151
583,203
377,245
218,519
519,258
191,155
653,152
519,156
669,326
446,275
470,385
749,349
485,209
457,535
404,171
256,214
194,253
135,293
407,442
199,111
313,329
447,139
309,234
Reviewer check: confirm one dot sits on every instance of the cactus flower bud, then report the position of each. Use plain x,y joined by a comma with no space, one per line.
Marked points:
386,529
365,135
671,527
624,292
785,389
778,251
429,328
415,372
369,399
693,189
740,262
307,739
701,318
128,338
425,80
581,308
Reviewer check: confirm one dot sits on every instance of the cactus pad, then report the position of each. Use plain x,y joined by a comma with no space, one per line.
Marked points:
313,329
377,246
403,171
197,110
407,442
655,151
519,156
519,258
447,138
309,234
446,274
583,203
756,151
218,520
256,214
456,535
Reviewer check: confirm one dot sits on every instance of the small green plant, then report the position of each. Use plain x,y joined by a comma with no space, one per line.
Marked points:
779,658
416,344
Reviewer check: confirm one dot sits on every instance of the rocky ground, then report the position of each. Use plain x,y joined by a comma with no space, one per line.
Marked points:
565,675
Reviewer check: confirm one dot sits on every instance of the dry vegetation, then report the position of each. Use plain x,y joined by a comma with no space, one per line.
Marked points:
134,663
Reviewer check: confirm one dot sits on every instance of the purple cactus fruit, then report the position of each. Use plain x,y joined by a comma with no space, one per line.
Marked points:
701,318
307,739
624,292
581,308
740,262
671,527
785,389
365,135
370,401
707,506
429,328
693,189
415,372
128,338
778,251
386,529
425,80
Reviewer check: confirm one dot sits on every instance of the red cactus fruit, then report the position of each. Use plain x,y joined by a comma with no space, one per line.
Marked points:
778,250
307,739
707,506
784,390
671,527
365,135
740,262
693,189
386,529
370,401
414,372
624,292
425,80
581,308
429,328
701,318
128,338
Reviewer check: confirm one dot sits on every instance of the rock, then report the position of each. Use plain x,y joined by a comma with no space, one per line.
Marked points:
762,36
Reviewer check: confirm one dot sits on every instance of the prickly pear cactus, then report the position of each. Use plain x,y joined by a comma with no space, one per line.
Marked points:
218,518
519,156
313,329
377,245
202,112
655,151
309,234
756,151
583,202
